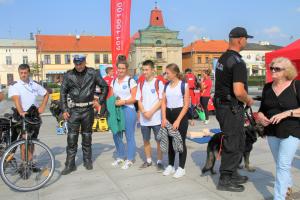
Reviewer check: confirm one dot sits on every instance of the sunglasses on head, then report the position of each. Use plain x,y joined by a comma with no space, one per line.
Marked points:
276,69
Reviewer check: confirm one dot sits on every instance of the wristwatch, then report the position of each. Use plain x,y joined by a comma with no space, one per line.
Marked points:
291,114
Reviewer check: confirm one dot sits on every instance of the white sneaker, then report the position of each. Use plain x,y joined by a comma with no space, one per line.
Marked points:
206,121
118,162
127,164
169,170
179,172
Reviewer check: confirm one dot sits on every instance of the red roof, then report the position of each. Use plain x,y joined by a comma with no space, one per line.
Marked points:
207,46
71,43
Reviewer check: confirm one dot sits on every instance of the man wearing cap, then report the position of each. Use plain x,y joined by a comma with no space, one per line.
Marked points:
79,85
230,96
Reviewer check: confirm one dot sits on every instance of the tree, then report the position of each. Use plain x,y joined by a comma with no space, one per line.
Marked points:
35,70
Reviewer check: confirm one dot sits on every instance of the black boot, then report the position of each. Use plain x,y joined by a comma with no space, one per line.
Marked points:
238,179
88,165
68,169
225,184
87,150
71,153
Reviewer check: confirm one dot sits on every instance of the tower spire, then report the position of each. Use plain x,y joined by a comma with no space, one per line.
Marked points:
156,18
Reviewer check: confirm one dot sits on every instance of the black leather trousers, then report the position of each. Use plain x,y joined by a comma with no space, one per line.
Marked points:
80,121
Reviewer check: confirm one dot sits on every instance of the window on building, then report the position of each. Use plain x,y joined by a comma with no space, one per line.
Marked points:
67,59
105,58
97,58
8,60
248,57
57,59
158,42
25,59
257,58
206,60
199,60
158,55
47,59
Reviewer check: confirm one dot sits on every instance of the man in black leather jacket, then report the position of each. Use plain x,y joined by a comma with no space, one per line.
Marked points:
77,95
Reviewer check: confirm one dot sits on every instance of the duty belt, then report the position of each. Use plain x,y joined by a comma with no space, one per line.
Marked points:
81,105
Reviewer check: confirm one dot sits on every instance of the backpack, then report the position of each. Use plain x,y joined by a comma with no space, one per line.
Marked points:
191,81
156,85
181,87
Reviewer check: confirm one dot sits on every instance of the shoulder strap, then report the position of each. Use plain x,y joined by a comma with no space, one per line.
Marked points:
166,85
129,82
182,87
141,88
157,86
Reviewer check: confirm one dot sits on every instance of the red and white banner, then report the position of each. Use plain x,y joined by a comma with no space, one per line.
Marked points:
120,29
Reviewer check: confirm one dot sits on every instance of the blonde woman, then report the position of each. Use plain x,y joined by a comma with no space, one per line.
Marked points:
279,113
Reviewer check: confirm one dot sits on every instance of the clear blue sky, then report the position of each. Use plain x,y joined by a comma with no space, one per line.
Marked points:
277,21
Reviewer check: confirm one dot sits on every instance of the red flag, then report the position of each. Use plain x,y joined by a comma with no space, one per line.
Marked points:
120,29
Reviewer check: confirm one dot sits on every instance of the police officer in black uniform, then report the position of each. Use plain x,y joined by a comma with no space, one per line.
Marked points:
77,94
230,96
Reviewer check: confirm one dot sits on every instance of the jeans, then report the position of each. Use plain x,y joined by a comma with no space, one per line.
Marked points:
130,121
283,151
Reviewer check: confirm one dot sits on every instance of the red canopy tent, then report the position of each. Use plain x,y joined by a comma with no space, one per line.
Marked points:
291,51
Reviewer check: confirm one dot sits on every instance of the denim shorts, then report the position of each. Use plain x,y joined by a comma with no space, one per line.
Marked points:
146,132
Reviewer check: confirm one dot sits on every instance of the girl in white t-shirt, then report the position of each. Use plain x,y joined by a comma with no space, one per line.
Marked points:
124,88
175,104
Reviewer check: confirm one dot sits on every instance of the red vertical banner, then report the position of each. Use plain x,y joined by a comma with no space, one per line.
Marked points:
120,29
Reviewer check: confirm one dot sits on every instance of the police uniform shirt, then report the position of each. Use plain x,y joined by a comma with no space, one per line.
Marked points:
122,89
230,68
150,96
27,92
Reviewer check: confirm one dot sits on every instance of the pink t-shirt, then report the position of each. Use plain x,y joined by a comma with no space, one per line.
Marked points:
206,92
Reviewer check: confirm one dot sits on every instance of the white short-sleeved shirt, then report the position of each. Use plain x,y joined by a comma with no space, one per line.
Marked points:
174,96
122,89
149,99
28,93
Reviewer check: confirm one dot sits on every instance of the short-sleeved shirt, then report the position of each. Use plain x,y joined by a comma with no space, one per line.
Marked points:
28,93
150,96
230,69
122,89
174,96
272,105
206,92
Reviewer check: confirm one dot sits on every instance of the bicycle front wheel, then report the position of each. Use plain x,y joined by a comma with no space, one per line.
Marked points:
27,171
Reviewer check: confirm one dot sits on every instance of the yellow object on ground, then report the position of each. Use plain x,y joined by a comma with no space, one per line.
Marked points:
100,124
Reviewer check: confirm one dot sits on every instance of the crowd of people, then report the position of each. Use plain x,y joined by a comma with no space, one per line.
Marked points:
162,106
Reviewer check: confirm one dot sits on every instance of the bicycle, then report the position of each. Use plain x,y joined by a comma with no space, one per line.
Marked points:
27,164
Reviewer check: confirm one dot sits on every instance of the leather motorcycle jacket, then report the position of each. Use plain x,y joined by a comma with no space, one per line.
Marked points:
80,87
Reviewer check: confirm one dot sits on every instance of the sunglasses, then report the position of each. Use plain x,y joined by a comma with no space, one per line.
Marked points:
276,69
